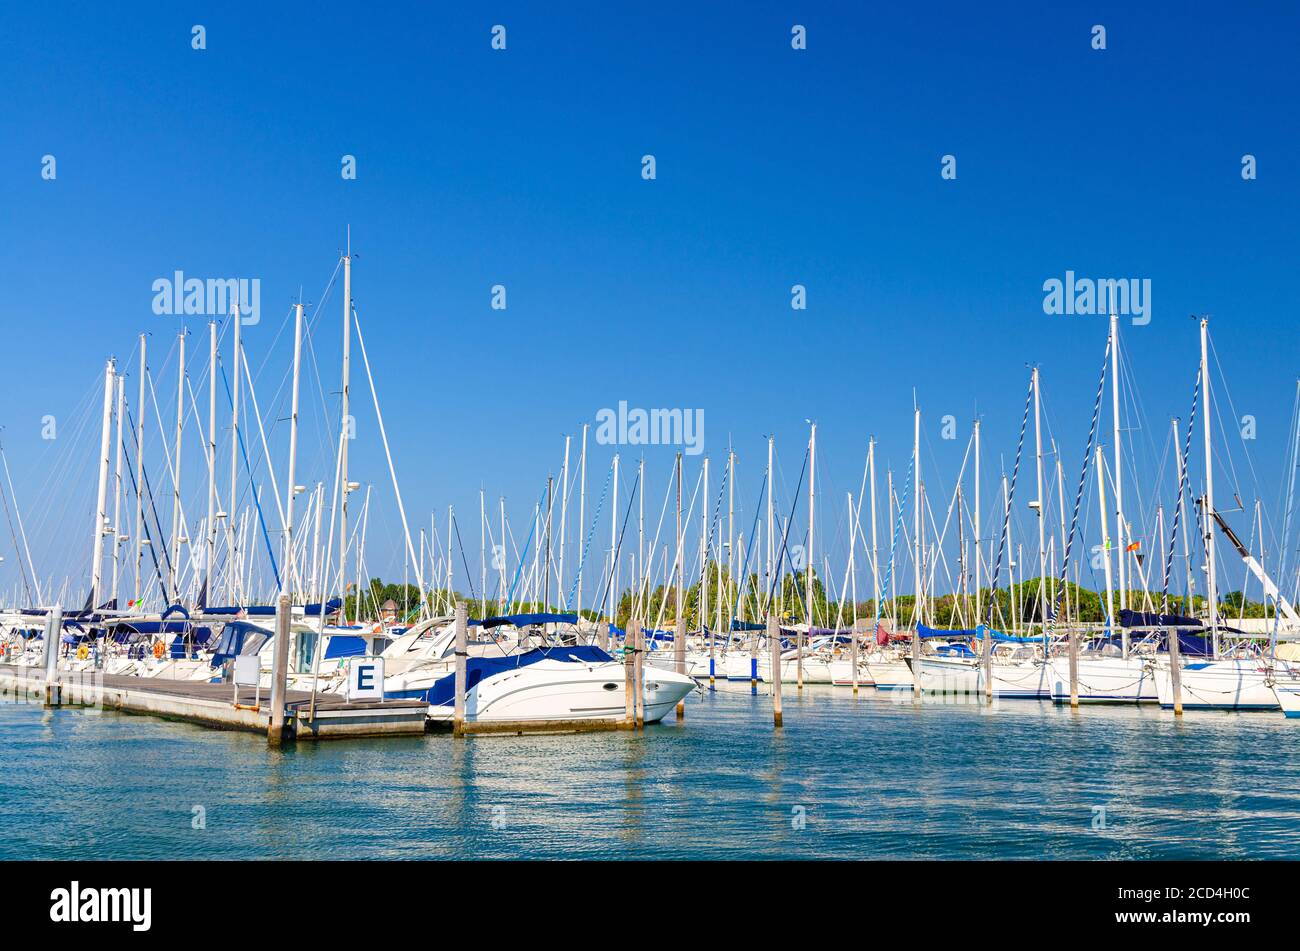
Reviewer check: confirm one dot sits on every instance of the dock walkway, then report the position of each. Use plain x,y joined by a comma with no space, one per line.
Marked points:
220,707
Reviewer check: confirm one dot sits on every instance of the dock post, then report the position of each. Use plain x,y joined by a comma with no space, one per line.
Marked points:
679,659
53,640
1175,670
859,627
774,651
1074,670
638,667
462,653
629,670
279,671
602,635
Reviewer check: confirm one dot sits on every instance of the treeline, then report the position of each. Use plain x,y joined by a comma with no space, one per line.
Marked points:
1017,606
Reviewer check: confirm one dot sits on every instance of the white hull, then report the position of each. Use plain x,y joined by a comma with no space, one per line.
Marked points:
1241,684
1022,680
842,673
1105,680
1287,693
563,690
889,674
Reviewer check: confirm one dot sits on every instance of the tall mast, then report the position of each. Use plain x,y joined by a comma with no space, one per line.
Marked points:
482,549
139,469
232,586
916,520
117,489
564,512
1211,589
680,568
172,593
1182,515
704,552
451,516
640,529
582,515
1105,548
771,541
210,551
808,570
345,415
979,549
875,569
731,534
546,561
613,548
1042,514
101,515
504,552
291,489
1119,477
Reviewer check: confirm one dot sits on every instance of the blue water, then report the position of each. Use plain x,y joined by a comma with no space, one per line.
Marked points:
865,778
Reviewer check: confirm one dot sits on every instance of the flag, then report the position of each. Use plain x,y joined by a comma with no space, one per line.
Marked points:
1134,546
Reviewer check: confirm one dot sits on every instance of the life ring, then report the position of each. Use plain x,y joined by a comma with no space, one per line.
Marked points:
82,652
158,650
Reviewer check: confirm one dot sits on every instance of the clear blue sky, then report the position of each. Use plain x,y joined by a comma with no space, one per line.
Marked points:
522,167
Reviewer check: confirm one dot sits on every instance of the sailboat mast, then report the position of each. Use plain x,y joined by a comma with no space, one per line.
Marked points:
117,489
582,515
1211,589
564,513
979,550
210,551
291,489
875,568
233,575
139,469
1042,514
172,593
802,638
1119,472
1182,515
345,418
101,515
1105,549
771,487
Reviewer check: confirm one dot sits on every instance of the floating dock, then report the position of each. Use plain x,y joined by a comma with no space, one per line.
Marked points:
221,706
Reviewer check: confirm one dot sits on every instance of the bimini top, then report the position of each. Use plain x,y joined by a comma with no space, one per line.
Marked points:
443,691
523,620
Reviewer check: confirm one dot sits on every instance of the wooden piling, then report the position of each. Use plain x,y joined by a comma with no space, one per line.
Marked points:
629,670
639,667
774,651
1175,671
53,641
679,659
462,656
279,672
602,635
1074,670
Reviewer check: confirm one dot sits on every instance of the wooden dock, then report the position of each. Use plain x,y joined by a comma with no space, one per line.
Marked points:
220,707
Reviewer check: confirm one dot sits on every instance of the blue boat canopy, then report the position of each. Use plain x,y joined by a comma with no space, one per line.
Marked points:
522,620
443,691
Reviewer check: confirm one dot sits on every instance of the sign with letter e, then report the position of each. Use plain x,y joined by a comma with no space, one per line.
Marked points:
366,678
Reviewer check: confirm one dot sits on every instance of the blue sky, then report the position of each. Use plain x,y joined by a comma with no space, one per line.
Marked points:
522,167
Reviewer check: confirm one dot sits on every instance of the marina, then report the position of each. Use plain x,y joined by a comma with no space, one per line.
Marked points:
652,436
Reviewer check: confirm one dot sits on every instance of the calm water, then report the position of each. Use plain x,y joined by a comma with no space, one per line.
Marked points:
872,778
